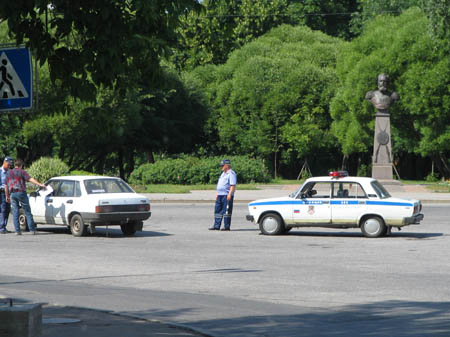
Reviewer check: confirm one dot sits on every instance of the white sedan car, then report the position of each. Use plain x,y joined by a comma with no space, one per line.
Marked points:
81,201
337,201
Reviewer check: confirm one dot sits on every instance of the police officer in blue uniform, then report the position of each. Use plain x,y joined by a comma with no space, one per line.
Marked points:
4,206
225,195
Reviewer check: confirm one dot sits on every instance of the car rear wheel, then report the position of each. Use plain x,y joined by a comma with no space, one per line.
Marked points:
373,227
271,224
77,226
23,221
128,229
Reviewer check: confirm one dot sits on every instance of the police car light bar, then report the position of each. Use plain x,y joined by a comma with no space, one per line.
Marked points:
338,174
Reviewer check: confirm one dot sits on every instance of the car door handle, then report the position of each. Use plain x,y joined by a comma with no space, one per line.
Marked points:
49,201
69,202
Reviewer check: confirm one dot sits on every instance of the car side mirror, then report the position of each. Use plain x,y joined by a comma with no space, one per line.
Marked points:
312,192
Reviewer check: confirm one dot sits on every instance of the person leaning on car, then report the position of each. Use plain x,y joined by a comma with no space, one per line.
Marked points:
16,192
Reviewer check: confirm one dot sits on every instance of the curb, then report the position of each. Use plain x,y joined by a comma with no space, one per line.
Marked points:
179,326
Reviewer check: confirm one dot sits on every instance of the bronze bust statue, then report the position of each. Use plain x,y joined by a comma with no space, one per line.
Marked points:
381,99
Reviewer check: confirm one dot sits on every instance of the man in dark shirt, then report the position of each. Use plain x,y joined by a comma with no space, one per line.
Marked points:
16,193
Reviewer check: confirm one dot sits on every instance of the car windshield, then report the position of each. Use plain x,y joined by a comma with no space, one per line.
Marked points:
381,191
96,186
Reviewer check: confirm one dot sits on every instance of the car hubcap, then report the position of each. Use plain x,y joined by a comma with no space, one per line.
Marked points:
372,226
76,226
270,224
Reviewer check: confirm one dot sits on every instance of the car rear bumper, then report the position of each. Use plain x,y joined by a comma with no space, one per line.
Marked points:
250,218
114,218
413,220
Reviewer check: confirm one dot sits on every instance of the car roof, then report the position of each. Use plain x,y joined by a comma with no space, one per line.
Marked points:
343,179
79,178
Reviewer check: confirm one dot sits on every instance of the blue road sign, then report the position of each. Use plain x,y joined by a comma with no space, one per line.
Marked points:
16,79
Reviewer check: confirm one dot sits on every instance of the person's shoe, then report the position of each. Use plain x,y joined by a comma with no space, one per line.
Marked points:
18,233
3,232
33,233
225,229
213,229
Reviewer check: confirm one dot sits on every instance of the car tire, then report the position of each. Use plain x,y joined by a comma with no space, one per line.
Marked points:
23,221
128,229
77,226
373,227
271,224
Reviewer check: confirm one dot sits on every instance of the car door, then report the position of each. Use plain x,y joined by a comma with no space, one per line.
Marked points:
314,206
64,200
347,203
41,205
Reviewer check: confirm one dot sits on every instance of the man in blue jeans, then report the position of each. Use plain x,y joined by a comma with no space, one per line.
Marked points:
4,206
225,195
16,193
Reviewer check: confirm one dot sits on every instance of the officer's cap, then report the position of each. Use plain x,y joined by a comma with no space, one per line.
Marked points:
225,162
9,159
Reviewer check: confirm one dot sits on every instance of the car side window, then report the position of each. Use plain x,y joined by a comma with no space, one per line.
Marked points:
54,185
319,190
66,189
348,190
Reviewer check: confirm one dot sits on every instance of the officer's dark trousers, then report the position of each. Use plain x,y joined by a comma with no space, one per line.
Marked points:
223,209
4,211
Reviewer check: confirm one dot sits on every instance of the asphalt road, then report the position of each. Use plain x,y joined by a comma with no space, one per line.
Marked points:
311,282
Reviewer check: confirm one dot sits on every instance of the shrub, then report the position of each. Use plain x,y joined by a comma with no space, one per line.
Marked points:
45,168
192,170
82,173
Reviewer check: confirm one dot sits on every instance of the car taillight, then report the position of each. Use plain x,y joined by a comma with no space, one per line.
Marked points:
103,209
144,208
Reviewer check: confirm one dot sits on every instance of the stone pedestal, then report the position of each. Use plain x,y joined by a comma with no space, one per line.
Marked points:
382,149
21,321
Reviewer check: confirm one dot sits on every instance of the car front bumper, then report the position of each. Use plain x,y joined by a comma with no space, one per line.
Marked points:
413,220
114,218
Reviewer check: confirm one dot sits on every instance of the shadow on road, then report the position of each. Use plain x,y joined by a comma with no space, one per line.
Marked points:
360,235
390,318
113,233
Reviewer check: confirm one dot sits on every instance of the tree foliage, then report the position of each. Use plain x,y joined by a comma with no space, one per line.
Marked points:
209,36
400,47
272,95
96,43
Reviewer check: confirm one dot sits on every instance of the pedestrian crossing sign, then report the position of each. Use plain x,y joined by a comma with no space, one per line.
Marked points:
16,79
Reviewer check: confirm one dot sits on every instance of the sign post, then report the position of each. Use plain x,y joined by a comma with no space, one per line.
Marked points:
16,79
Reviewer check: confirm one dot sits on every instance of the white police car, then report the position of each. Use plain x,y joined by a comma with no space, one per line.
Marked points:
337,201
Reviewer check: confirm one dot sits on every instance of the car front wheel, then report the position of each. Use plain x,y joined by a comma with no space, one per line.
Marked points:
77,226
271,224
373,227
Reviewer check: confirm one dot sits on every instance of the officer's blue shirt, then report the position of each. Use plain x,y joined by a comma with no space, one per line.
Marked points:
226,180
3,175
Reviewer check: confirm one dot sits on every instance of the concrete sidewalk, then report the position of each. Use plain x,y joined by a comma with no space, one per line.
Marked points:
272,191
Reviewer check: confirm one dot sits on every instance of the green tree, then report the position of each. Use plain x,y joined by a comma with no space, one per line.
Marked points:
209,36
420,121
370,9
271,97
93,43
